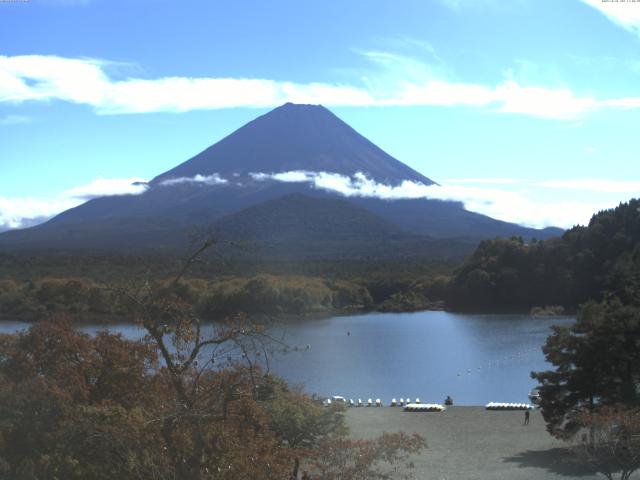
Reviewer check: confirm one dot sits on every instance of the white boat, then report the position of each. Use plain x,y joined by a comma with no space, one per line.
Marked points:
424,407
534,396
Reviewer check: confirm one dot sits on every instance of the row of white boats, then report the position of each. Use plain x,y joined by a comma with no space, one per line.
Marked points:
378,403
508,406
417,406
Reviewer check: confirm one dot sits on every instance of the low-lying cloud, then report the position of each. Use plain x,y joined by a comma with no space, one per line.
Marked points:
525,206
213,179
104,187
531,203
20,212
23,212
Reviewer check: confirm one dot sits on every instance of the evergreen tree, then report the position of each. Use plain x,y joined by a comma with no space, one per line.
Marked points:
597,363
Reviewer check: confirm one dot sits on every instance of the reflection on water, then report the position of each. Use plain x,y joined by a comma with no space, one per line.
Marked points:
473,358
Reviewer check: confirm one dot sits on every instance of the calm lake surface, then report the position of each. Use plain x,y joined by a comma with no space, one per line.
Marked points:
474,358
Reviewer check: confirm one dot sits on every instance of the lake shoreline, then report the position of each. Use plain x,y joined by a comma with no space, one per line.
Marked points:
428,355
109,319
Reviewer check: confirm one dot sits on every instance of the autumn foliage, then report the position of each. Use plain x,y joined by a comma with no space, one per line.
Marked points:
74,406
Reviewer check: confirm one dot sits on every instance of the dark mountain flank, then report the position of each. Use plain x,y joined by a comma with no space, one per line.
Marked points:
296,137
229,188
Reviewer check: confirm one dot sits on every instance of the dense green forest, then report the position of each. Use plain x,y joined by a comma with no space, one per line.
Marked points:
34,286
594,383
501,275
509,274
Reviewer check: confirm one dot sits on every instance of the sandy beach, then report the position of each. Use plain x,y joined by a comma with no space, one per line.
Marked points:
473,443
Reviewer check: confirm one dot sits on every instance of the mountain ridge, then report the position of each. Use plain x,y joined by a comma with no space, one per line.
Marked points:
221,181
292,137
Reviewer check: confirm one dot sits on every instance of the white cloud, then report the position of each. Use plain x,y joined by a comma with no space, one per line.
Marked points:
625,14
513,200
214,179
593,185
103,187
496,181
85,81
20,212
522,206
625,103
559,104
292,176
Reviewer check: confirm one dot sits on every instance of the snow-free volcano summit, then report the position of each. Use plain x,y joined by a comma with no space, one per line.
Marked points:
295,182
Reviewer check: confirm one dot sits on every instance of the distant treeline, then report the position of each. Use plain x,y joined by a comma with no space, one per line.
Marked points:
509,274
501,275
85,298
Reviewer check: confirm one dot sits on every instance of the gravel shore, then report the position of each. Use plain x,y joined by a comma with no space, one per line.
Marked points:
468,443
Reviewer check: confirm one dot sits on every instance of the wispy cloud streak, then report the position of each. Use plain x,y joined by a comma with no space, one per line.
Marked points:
39,78
214,179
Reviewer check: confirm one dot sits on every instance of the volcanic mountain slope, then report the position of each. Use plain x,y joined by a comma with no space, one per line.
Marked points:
232,184
297,226
296,137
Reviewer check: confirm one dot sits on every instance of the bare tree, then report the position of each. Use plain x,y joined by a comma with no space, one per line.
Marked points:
189,353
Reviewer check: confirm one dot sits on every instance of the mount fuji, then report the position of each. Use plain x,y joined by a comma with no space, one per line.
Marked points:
297,182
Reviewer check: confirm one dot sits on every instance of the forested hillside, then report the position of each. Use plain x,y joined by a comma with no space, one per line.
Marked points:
509,274
34,287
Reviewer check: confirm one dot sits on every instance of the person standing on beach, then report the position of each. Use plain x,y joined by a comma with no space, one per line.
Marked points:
526,417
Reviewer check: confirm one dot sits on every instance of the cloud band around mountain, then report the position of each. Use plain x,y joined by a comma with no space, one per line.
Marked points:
507,199
500,203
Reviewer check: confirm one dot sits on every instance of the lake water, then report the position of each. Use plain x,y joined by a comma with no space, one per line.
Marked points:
474,358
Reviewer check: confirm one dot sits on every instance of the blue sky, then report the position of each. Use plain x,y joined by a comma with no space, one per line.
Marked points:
526,110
